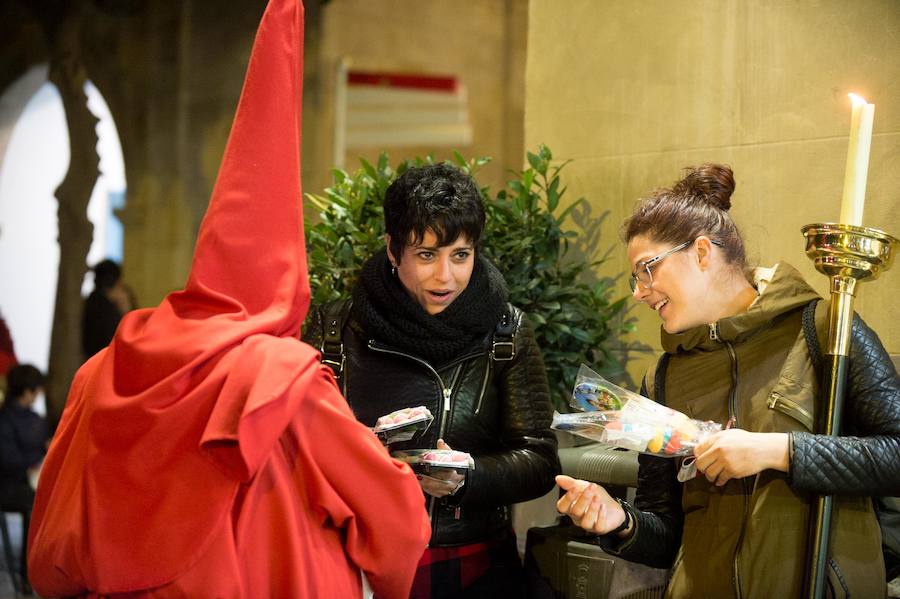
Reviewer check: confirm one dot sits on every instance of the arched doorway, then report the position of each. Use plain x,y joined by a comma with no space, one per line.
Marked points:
34,157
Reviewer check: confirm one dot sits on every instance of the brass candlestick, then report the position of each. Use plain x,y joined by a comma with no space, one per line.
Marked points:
847,255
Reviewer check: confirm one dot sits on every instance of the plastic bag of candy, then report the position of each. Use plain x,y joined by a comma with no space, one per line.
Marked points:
402,425
426,461
592,392
616,416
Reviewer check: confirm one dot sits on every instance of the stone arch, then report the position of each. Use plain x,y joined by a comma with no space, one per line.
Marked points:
34,159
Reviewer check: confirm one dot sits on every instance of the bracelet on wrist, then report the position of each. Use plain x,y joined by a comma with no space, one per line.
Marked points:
626,523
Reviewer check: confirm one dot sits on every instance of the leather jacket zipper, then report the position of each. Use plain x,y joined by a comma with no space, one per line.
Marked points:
374,346
443,413
447,393
484,383
777,401
487,375
732,409
732,394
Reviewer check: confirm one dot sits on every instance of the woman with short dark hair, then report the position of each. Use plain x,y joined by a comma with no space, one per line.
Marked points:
429,324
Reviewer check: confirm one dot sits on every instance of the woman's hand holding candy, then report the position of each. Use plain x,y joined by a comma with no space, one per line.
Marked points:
736,453
441,482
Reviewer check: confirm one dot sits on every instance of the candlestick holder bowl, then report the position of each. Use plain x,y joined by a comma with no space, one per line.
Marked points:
847,251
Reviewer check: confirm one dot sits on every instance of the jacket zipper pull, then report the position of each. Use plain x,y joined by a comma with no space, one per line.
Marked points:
714,331
446,400
456,513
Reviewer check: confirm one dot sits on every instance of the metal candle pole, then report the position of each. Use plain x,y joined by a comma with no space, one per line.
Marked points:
846,254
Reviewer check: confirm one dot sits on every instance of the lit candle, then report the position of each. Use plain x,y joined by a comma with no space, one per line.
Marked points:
857,161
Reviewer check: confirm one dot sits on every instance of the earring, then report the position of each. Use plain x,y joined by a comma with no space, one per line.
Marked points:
393,270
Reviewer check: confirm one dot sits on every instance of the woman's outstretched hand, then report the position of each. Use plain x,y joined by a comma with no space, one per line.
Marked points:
589,505
736,453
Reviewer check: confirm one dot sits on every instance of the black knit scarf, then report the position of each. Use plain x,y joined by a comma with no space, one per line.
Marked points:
388,313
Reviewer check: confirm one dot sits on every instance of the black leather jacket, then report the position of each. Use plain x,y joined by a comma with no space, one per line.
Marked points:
498,411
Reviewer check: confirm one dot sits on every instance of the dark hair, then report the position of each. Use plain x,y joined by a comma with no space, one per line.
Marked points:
436,197
106,274
696,205
22,378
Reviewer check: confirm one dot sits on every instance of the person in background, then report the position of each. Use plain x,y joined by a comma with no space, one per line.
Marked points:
104,307
23,437
429,324
736,352
23,444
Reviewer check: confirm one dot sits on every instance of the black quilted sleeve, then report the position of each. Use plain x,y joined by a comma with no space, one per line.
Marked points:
657,513
867,460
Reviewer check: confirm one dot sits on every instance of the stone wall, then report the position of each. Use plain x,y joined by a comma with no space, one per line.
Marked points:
633,92
480,43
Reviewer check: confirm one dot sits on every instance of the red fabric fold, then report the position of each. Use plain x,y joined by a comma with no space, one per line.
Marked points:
254,407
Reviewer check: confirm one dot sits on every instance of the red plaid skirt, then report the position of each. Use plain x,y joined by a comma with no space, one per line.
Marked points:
490,569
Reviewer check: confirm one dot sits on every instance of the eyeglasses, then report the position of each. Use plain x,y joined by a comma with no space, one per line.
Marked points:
644,275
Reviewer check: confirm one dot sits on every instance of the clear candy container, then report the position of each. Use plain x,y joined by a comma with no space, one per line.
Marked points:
402,425
425,461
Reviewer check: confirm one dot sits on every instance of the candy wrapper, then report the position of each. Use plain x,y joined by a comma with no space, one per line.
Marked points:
616,416
426,461
402,425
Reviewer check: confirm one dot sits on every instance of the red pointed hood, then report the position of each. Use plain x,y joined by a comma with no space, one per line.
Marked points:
161,427
250,257
249,271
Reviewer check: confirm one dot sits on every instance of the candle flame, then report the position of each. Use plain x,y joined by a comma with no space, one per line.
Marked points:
857,99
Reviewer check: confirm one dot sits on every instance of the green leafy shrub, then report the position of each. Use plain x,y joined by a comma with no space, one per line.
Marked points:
528,236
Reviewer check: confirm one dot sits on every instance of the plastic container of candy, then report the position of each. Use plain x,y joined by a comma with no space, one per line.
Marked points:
615,416
402,425
426,461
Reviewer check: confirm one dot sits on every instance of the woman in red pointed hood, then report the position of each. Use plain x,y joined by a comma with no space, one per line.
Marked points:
206,452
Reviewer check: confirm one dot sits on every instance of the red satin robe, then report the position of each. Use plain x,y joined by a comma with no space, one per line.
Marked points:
238,514
206,452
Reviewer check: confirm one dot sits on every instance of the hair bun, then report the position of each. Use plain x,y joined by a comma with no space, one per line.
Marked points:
713,183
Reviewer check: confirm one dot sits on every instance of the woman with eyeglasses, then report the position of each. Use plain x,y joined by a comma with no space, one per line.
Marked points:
732,520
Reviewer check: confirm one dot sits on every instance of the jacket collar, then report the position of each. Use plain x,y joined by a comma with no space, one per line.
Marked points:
782,289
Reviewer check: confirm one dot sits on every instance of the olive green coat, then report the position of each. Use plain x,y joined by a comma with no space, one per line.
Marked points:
748,538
